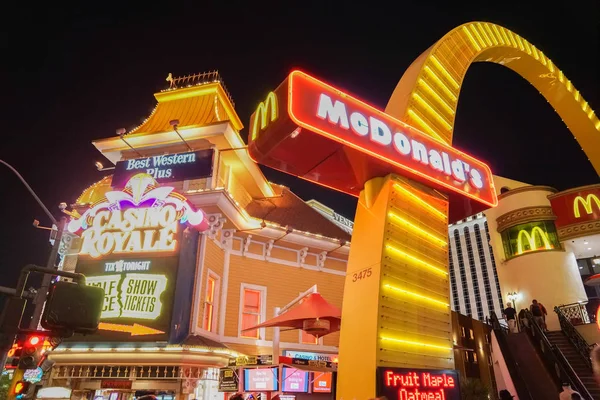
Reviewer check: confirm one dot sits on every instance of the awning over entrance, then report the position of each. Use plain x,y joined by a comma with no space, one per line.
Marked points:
313,307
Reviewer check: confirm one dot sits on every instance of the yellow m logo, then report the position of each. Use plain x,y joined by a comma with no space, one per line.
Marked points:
530,240
263,108
587,204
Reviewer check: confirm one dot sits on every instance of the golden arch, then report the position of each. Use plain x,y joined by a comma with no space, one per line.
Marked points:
530,240
427,94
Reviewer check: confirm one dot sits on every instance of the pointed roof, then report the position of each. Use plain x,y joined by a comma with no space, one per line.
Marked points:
313,306
288,209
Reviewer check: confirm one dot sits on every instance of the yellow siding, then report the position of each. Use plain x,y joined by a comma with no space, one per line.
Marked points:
283,284
213,260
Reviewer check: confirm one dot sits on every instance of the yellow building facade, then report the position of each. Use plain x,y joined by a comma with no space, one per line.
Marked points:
263,247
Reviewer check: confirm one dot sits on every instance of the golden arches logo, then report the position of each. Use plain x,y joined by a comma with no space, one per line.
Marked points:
530,240
261,114
587,204
427,95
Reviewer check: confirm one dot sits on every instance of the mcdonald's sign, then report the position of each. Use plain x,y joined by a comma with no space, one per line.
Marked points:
312,130
576,206
266,112
544,241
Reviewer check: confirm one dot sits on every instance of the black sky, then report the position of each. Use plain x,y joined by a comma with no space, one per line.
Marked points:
73,73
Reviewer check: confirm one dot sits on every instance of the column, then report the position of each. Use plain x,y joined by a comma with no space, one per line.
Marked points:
396,310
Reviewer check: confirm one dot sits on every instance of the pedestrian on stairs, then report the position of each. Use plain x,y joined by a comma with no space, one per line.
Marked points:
511,317
568,393
537,309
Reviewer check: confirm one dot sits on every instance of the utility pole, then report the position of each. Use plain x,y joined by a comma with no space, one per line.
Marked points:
42,293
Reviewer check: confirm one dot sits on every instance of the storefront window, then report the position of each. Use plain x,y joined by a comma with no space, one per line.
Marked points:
532,236
250,312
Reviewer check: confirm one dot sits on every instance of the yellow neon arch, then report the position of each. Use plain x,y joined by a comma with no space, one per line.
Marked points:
531,240
427,94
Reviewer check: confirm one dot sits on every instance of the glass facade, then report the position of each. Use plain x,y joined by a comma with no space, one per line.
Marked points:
528,237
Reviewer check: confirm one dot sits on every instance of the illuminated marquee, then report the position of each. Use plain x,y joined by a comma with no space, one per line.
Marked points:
143,217
331,138
417,384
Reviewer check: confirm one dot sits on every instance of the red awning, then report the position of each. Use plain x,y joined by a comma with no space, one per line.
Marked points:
313,306
593,280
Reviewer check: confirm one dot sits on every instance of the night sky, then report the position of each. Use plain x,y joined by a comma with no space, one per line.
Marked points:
72,75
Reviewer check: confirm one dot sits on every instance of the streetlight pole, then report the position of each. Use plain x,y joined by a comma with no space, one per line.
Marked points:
51,263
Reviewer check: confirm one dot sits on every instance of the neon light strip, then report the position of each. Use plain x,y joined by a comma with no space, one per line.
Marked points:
416,295
439,99
421,344
425,126
416,260
422,202
416,228
441,83
445,72
471,39
435,113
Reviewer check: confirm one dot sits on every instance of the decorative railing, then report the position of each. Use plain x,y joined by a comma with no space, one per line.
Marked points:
573,334
134,372
576,313
202,78
556,363
512,366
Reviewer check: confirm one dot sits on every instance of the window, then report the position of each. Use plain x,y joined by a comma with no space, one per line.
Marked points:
463,275
466,356
462,330
471,335
487,235
484,269
212,282
252,309
474,357
531,236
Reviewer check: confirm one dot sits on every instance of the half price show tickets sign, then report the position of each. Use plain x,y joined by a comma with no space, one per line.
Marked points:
417,384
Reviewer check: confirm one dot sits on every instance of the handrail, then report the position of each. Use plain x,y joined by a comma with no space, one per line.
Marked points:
511,364
574,337
556,362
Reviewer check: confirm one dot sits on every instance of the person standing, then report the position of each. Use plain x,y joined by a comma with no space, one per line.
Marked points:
567,393
523,319
538,314
511,318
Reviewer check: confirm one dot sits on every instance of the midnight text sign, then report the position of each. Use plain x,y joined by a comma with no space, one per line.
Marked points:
166,167
417,384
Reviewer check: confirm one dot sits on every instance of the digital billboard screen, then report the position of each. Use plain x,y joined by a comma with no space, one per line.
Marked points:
322,382
138,296
294,380
415,383
260,379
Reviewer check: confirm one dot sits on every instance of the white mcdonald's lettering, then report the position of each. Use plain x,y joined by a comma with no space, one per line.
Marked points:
531,240
270,103
335,112
587,204
133,230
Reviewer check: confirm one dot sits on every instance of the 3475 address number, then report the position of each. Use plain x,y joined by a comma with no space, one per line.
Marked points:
362,274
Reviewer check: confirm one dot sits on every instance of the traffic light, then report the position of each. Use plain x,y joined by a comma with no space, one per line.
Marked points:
73,307
21,389
33,349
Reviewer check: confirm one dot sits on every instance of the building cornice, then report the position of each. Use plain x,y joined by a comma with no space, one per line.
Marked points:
524,189
524,215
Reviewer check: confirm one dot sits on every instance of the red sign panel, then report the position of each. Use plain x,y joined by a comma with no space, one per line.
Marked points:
408,384
312,130
115,384
576,206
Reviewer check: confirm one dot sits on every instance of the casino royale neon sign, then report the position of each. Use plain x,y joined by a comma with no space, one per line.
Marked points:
143,217
361,124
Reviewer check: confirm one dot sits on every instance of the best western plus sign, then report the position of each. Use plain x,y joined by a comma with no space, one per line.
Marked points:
396,310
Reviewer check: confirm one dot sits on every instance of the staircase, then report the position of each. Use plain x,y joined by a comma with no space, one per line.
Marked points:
582,370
